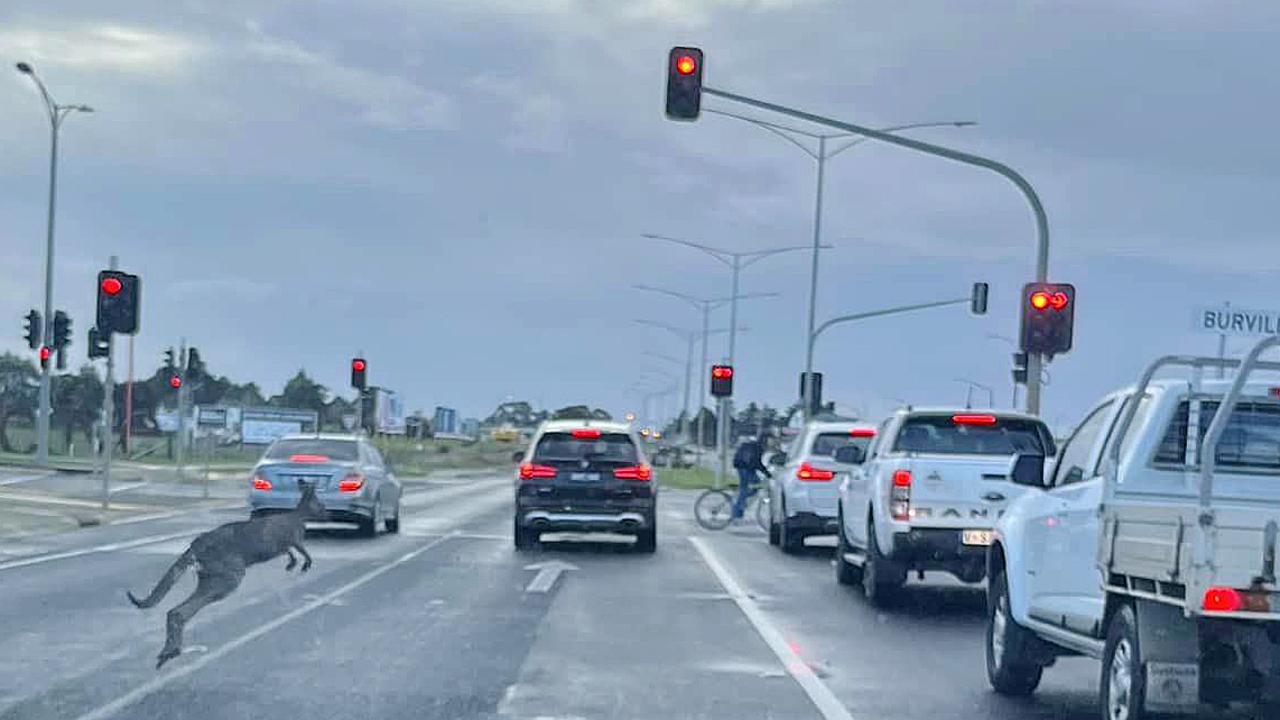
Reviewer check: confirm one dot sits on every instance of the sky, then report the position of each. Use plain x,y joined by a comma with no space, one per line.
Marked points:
457,189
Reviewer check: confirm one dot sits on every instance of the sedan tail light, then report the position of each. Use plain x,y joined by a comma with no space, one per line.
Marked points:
261,483
529,471
351,483
305,458
634,472
809,473
900,495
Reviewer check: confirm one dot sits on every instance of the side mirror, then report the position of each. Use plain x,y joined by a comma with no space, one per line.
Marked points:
850,455
778,459
1028,470
517,456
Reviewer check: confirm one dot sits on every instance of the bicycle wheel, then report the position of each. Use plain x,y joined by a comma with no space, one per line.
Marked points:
713,509
762,510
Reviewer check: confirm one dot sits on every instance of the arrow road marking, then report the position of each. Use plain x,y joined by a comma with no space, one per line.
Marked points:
548,573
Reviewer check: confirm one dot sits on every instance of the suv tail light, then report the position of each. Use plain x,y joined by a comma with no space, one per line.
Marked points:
261,483
634,472
809,473
351,483
586,434
900,495
529,471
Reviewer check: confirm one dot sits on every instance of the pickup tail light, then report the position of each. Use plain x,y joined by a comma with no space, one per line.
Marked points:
634,472
351,483
261,483
968,419
900,495
809,473
1226,599
862,432
529,471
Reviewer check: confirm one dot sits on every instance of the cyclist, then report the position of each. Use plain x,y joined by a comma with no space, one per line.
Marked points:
748,460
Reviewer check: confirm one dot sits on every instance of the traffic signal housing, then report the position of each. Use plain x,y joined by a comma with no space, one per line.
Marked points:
721,380
118,294
170,358
684,83
45,353
35,329
99,347
1020,368
1048,316
816,406
358,369
61,330
978,303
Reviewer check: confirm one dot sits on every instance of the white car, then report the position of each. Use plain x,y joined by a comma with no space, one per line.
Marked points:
804,486
928,493
1133,550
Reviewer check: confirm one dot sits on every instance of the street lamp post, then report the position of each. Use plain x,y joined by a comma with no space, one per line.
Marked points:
821,155
705,305
968,398
57,113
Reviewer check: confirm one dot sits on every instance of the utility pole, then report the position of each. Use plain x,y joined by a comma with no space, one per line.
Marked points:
182,413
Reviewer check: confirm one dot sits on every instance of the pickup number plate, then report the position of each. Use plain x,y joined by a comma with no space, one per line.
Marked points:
976,537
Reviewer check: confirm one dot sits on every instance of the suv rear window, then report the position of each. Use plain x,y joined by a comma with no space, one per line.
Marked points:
338,450
1251,438
940,434
564,447
826,444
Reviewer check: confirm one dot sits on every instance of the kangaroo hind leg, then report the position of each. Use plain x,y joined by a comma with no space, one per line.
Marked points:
210,588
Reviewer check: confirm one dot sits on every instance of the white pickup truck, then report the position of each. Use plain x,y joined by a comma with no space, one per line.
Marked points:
928,493
1150,545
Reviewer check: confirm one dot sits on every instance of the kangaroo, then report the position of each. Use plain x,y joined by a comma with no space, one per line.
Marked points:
221,557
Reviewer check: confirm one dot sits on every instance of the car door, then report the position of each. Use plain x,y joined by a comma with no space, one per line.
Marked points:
383,484
1052,570
862,484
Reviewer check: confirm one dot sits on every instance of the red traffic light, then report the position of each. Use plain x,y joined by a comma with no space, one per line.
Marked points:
45,352
112,286
175,382
686,65
358,365
721,372
1042,300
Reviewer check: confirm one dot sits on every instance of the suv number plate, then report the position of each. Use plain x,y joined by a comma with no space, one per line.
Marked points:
584,477
976,537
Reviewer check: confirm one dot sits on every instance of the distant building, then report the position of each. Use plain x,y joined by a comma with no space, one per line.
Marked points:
470,427
445,421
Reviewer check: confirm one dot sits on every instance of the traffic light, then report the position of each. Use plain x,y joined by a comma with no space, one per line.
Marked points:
1020,368
721,380
358,368
1048,313
61,330
193,363
978,305
118,302
99,347
45,352
684,83
35,329
816,407
175,381
169,358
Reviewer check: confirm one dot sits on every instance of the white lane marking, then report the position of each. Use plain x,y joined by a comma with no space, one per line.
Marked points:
460,536
73,502
126,487
145,689
109,547
548,573
818,692
24,478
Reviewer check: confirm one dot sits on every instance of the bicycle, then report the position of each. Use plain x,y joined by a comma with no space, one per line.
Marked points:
714,508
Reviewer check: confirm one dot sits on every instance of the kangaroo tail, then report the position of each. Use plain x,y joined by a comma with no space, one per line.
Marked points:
170,577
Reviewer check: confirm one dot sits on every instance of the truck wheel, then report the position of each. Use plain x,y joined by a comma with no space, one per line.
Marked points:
1011,668
1122,690
846,572
788,539
525,539
880,577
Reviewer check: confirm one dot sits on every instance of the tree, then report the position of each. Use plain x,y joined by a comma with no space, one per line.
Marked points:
303,393
77,400
19,390
580,412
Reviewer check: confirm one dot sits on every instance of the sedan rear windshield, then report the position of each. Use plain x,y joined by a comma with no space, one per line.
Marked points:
942,435
564,447
336,450
826,444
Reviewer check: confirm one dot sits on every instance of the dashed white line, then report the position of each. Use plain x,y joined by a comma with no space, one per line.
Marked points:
821,695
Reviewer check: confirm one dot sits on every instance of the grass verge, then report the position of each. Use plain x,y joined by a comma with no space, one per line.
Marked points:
694,478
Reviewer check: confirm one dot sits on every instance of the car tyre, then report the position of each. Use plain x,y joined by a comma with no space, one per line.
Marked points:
788,539
1122,690
846,572
881,578
647,539
393,523
1011,665
369,526
525,539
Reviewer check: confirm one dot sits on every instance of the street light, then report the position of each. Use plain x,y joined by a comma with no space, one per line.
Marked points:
57,113
968,398
821,155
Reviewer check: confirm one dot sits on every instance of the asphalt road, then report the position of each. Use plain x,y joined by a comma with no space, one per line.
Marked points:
445,620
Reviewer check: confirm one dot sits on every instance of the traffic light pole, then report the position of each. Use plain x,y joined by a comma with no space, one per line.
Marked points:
182,414
1034,361
874,313
108,412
